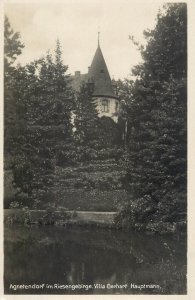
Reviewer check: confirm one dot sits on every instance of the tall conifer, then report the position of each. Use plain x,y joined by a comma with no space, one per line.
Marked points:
157,140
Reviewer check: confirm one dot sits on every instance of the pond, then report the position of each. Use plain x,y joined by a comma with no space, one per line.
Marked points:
57,260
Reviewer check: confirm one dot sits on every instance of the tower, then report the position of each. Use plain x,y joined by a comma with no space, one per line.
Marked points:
107,103
106,100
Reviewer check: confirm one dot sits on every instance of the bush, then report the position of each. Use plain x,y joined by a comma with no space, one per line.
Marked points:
144,213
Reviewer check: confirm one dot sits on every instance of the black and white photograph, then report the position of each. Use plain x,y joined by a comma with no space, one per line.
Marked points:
95,147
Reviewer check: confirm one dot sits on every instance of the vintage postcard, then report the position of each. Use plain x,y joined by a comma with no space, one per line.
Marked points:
95,143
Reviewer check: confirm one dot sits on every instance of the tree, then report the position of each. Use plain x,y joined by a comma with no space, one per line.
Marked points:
12,48
86,117
51,102
124,88
44,91
14,109
157,114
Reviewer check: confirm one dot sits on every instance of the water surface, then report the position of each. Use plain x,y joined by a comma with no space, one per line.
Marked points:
56,260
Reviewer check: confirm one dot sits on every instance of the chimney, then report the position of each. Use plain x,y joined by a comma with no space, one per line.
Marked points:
77,73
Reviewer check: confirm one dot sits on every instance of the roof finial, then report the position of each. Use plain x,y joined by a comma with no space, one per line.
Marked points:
98,38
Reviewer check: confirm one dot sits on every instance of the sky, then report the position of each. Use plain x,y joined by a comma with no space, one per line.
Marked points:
76,23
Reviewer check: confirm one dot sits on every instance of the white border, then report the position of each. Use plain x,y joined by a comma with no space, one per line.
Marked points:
191,165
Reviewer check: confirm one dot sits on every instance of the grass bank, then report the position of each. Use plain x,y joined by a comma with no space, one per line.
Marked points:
59,218
85,219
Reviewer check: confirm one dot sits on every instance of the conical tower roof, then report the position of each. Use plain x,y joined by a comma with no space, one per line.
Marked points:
98,73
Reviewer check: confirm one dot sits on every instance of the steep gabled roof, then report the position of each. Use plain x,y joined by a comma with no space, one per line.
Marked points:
98,73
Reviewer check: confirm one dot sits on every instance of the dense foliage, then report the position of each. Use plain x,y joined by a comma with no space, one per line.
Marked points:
157,122
86,117
92,135
38,104
54,128
14,111
12,48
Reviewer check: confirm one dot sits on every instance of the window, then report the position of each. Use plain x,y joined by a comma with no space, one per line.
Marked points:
116,106
104,105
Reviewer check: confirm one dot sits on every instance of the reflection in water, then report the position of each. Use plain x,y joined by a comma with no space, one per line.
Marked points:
50,255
